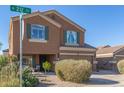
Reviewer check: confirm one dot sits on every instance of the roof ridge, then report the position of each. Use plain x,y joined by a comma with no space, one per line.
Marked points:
112,49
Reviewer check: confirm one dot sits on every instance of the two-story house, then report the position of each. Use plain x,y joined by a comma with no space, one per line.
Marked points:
49,36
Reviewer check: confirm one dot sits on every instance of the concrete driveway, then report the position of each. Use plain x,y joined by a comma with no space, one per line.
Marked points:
106,78
97,79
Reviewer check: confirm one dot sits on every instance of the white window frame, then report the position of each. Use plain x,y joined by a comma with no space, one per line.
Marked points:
38,39
67,43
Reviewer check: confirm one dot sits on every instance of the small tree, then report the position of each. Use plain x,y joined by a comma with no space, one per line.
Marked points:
46,67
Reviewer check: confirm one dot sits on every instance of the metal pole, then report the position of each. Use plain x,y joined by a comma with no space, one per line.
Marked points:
21,19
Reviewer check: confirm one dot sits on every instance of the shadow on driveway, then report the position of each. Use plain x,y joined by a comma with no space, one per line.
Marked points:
100,81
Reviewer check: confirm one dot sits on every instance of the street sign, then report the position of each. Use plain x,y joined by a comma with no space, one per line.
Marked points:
20,9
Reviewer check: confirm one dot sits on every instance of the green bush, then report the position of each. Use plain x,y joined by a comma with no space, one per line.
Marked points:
73,70
120,66
3,61
12,58
28,79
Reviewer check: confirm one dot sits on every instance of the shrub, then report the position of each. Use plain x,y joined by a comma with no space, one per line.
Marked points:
9,76
28,79
120,66
73,70
3,61
12,58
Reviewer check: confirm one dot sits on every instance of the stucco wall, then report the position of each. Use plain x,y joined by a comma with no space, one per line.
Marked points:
50,47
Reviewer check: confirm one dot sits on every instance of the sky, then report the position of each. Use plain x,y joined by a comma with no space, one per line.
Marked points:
104,24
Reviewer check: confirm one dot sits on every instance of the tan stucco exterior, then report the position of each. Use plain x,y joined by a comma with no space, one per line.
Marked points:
51,48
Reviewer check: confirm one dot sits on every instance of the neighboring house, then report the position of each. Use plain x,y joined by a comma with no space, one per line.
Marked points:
108,56
5,52
49,36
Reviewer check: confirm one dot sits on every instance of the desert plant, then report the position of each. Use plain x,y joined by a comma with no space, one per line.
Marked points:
8,72
12,58
9,76
73,70
28,79
120,66
46,66
3,61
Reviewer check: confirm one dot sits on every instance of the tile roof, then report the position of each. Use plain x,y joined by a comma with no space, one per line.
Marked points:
84,46
88,46
107,50
99,47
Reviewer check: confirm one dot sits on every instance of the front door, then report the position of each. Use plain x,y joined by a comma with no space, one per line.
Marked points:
43,58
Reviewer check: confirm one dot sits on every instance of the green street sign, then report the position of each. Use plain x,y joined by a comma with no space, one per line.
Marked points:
20,9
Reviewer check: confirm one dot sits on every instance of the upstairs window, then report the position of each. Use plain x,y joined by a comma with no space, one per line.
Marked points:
72,37
38,32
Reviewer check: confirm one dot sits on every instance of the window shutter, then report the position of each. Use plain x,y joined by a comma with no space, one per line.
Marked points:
78,37
28,26
65,36
46,32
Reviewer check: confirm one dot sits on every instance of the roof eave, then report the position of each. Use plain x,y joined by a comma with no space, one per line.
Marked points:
77,49
106,55
37,14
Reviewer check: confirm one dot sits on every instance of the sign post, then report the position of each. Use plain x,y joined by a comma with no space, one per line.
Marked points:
21,10
21,18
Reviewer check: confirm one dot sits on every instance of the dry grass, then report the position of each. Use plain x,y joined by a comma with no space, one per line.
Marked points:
9,76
